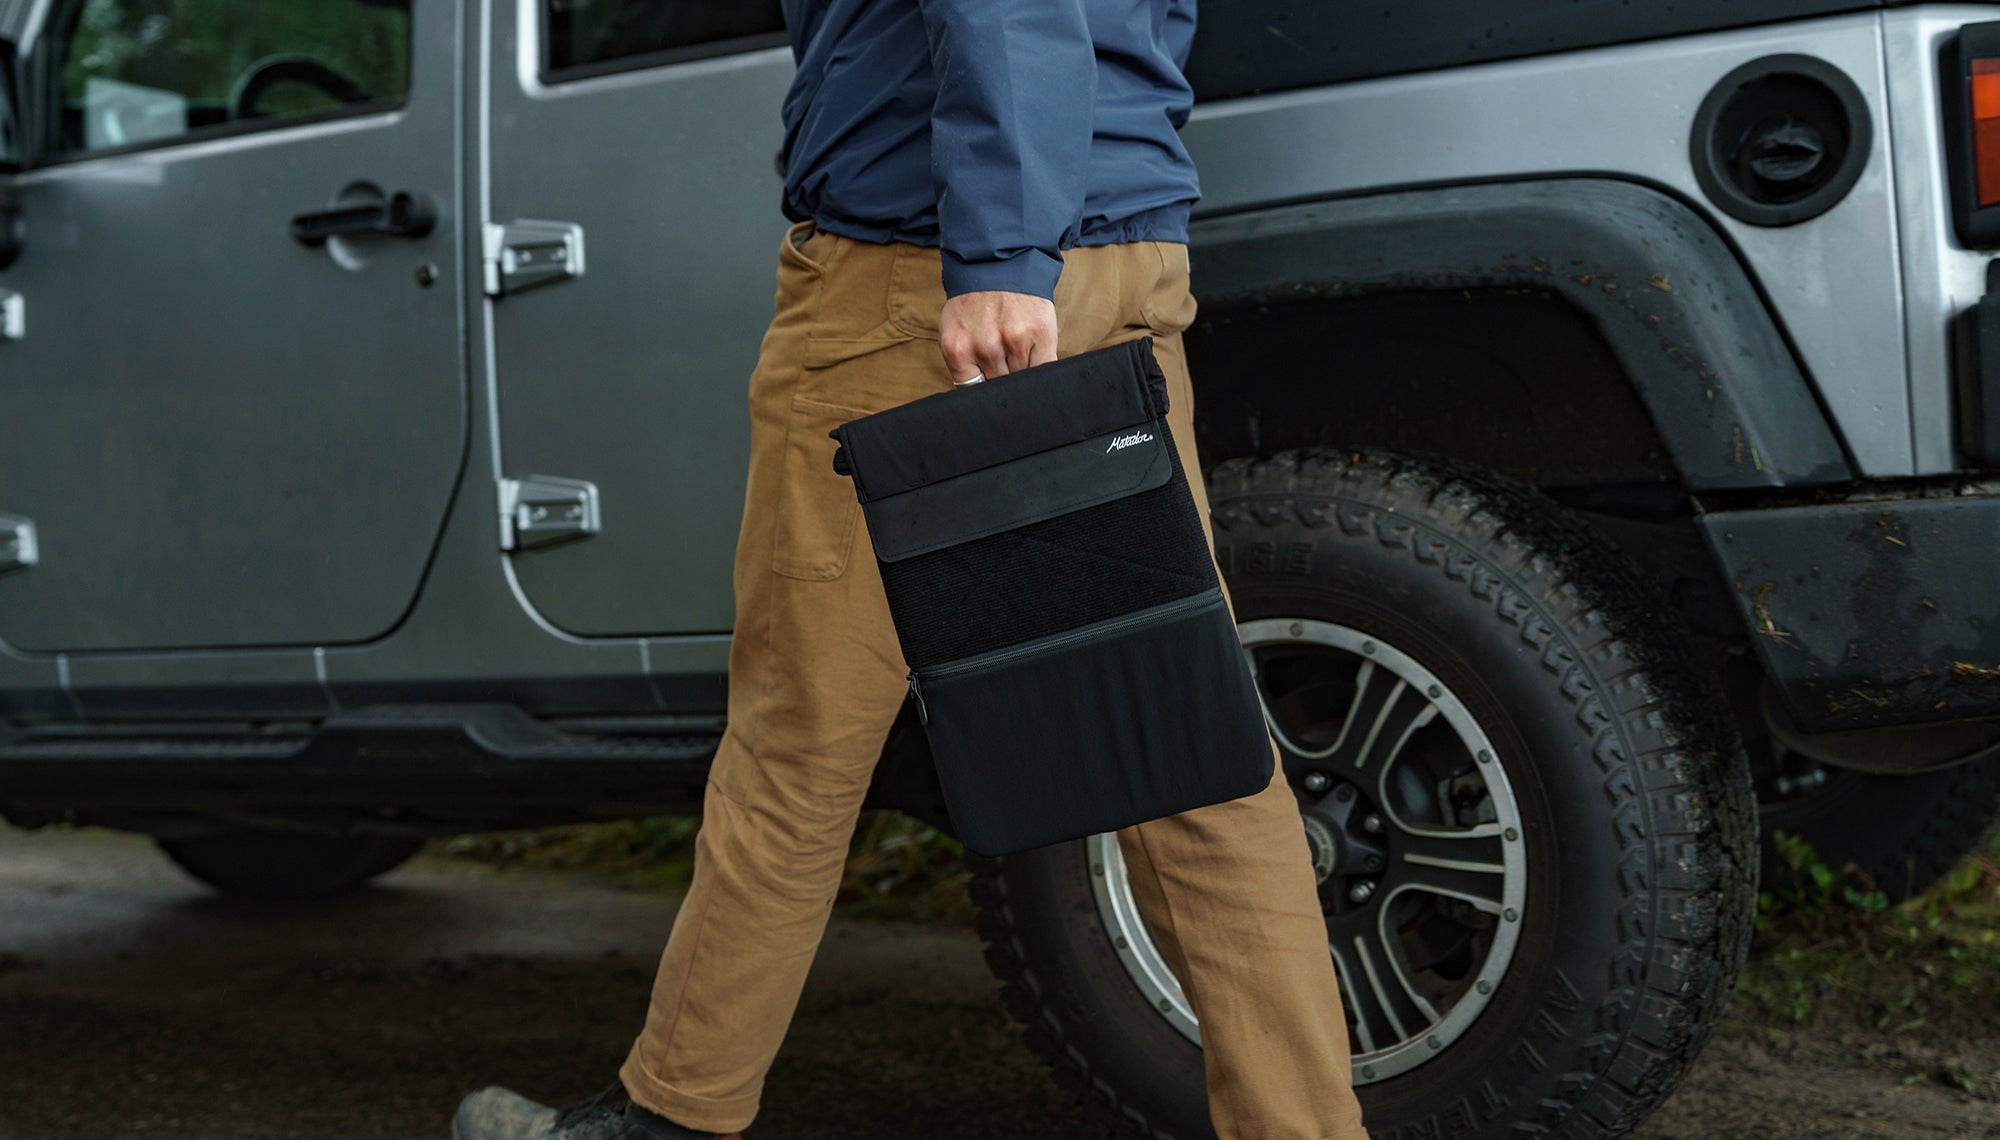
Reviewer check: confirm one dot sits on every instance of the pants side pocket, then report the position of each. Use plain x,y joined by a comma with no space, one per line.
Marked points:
817,509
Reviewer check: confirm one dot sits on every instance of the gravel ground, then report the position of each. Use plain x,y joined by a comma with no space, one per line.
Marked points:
133,1004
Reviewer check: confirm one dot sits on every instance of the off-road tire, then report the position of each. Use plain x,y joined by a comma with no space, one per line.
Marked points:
1632,939
1900,834
277,866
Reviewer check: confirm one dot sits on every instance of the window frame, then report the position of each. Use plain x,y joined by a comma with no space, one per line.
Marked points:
550,76
14,114
44,75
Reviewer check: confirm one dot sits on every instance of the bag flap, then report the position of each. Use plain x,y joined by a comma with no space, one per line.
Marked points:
1024,413
1015,494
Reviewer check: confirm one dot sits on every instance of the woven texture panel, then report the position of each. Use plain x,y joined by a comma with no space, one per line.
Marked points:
1050,576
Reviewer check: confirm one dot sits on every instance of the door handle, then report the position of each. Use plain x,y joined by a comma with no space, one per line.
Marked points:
406,213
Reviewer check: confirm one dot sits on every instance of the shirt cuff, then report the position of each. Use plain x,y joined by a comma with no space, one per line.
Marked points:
1030,271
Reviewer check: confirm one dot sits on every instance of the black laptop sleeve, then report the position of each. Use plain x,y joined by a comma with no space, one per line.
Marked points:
1071,654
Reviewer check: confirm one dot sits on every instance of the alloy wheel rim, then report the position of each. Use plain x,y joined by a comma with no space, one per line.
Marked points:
1416,837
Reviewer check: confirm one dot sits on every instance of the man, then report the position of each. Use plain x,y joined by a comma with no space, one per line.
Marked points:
978,186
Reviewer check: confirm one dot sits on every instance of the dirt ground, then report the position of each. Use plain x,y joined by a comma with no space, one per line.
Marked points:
133,1004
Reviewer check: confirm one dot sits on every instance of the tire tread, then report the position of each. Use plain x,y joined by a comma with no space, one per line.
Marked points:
1665,743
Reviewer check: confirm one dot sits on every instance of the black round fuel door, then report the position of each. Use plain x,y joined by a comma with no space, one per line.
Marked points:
1781,140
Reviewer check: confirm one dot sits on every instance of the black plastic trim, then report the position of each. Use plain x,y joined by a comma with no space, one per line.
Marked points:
1869,614
555,695
441,769
1683,318
460,761
1979,382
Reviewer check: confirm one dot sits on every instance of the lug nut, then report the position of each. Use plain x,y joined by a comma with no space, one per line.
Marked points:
1317,781
1361,892
1372,824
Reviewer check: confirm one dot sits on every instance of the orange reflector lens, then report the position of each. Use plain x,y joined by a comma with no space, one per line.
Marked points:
1986,128
1986,88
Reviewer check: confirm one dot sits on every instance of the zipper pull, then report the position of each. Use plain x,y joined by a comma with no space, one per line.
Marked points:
917,692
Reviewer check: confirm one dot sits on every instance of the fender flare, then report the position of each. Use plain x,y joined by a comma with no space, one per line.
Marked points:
1683,318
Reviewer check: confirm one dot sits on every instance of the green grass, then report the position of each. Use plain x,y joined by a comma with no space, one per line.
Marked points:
1835,970
897,867
656,852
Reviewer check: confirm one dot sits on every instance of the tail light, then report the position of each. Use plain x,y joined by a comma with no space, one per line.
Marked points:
1971,75
1970,69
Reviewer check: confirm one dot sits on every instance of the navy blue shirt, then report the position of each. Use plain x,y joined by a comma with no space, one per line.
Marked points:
1004,131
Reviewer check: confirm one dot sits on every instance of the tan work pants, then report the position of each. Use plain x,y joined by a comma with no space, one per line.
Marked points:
816,678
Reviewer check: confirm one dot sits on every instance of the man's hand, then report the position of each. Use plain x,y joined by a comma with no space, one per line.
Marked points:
993,333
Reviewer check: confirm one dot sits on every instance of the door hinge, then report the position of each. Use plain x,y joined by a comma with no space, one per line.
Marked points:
13,315
523,254
540,510
17,543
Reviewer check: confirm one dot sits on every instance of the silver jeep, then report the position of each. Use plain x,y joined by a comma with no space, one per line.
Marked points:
1602,404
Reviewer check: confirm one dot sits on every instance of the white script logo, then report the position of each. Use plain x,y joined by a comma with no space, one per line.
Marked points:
1118,443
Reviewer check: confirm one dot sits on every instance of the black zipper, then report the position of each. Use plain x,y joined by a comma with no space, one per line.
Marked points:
1096,631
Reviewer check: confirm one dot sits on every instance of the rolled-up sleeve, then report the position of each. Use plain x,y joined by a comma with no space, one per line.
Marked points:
1010,138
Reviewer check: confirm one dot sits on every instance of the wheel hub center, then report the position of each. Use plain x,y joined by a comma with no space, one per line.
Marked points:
1325,848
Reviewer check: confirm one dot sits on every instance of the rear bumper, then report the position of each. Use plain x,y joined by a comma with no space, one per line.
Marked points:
1871,614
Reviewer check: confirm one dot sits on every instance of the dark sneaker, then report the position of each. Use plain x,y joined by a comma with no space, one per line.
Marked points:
496,1114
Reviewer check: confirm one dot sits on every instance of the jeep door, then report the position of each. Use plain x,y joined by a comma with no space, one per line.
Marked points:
637,137
235,408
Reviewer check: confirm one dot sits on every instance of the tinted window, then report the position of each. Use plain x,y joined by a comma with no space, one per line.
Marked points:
600,35
133,72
